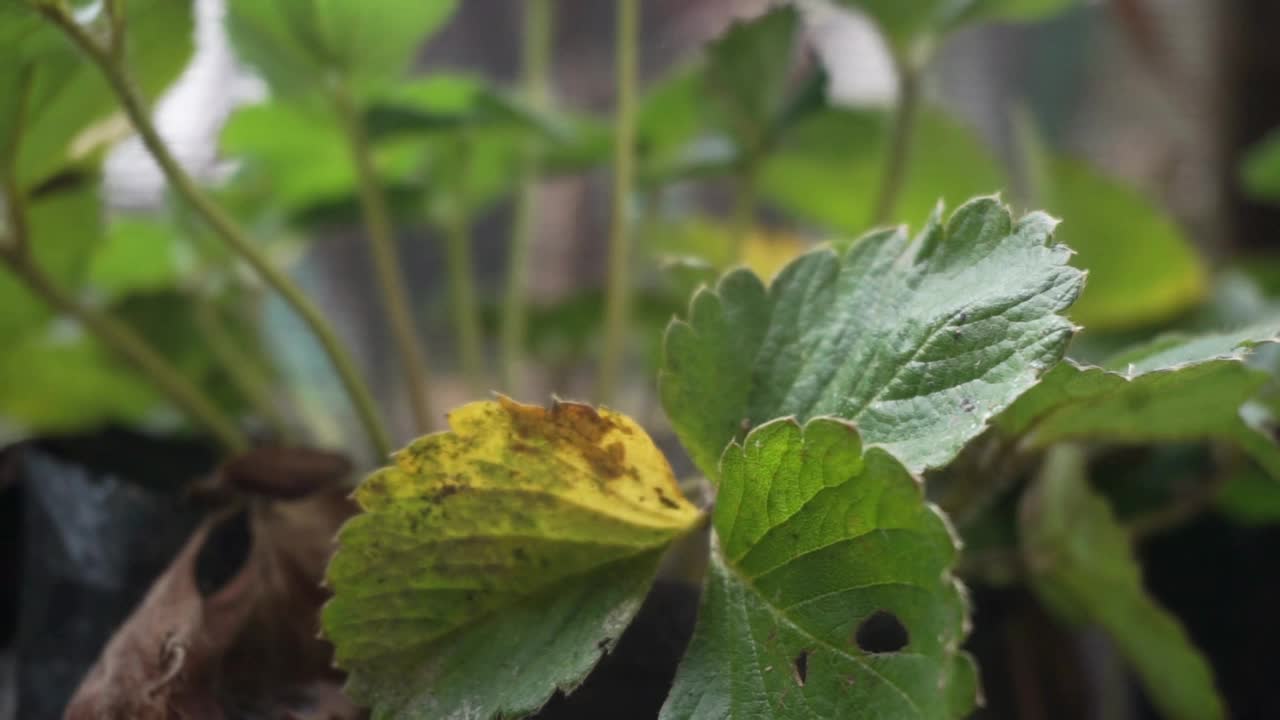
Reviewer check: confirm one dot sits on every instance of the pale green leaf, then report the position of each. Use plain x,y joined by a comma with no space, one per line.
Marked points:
823,167
829,594
497,562
138,254
1142,267
1177,388
64,229
70,103
50,383
300,45
919,343
1083,567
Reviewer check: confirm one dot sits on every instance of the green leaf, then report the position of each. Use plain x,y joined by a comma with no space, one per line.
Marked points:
498,562
303,155
64,228
823,159
1260,171
747,75
138,254
1177,388
70,101
905,22
1143,269
1083,568
919,343
53,383
830,593
299,45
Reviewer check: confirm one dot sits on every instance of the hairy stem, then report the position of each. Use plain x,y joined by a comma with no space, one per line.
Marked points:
900,136
388,267
618,292
539,31
185,187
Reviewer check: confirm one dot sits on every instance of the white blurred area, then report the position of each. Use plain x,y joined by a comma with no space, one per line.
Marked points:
189,116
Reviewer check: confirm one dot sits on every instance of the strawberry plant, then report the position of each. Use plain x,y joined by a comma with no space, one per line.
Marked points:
890,368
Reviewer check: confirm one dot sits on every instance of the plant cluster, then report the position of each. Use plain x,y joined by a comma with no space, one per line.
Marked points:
852,410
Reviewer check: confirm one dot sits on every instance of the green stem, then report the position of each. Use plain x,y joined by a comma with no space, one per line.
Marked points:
618,291
222,224
744,209
466,318
132,347
901,134
247,377
539,31
386,261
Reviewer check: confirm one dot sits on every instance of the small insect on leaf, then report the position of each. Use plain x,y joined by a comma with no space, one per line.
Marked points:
500,560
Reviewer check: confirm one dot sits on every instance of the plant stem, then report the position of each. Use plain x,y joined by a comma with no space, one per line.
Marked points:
386,261
132,347
244,373
744,209
222,224
539,31
618,292
900,137
466,320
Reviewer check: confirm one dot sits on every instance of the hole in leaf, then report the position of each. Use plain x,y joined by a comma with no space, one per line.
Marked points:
801,664
882,632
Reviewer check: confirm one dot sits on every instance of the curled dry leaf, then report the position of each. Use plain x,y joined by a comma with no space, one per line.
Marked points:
233,621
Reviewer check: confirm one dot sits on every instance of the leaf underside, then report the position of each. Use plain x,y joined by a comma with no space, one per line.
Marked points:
919,343
498,562
829,593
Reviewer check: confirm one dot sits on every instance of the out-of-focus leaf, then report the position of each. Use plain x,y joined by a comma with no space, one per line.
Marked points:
919,343
713,243
905,22
829,593
299,45
70,101
497,562
828,165
1083,568
1142,268
747,75
1250,498
50,383
138,254
64,229
1177,388
304,155
1260,172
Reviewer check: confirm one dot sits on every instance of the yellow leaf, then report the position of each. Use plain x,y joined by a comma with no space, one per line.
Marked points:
515,500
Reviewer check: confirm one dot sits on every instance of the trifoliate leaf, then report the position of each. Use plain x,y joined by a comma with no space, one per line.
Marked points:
299,45
907,21
1083,567
1177,388
919,343
497,562
68,94
829,594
